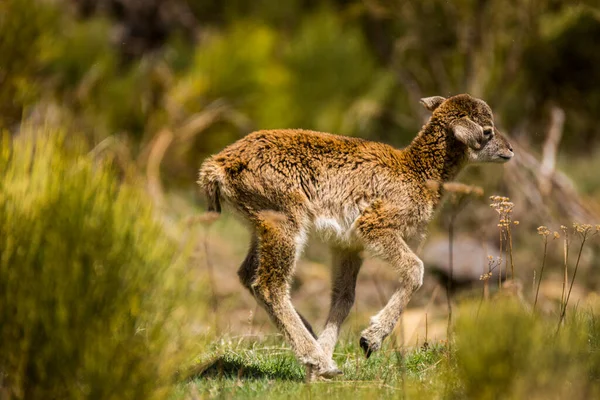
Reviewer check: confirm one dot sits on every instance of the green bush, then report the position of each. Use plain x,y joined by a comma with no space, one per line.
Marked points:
337,86
93,295
503,351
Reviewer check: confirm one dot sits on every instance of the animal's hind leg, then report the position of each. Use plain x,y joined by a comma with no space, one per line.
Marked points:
345,267
276,261
247,271
247,275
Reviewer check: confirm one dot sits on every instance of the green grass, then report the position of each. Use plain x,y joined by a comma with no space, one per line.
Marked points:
246,370
500,350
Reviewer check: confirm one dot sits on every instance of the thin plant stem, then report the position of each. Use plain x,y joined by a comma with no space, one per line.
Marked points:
533,281
486,283
537,292
510,252
565,276
505,255
450,277
564,310
426,344
486,290
504,208
457,206
500,263
486,277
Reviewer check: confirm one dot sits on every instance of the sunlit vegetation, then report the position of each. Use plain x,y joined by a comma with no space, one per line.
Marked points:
114,285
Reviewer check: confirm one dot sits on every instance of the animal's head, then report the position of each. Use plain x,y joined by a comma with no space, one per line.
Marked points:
470,120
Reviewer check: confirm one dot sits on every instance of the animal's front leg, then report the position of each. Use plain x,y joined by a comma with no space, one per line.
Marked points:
380,229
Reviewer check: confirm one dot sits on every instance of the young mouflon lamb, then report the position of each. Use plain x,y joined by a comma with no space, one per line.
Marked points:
359,195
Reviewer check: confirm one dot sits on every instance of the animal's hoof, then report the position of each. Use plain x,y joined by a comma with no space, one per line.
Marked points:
312,374
364,344
332,373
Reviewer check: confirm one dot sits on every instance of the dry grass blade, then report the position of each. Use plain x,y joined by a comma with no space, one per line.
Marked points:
584,231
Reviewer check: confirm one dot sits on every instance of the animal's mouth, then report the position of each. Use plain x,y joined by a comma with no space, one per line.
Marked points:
506,156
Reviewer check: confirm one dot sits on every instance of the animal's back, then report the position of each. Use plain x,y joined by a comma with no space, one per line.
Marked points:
284,169
290,150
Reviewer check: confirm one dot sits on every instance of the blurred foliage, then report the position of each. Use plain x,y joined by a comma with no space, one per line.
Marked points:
505,352
95,300
206,73
350,67
95,297
23,25
564,58
338,86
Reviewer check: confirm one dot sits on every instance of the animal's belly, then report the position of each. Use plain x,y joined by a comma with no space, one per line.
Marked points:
336,230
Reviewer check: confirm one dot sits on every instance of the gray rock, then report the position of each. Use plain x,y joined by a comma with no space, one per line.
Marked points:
470,259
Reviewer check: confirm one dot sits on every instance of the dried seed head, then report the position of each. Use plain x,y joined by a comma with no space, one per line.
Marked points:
502,205
543,231
485,277
498,198
556,235
582,229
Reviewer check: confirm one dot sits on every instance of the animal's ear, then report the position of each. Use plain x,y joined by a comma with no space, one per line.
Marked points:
431,103
468,132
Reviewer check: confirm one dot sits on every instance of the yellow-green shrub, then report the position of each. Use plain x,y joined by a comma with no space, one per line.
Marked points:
504,351
93,295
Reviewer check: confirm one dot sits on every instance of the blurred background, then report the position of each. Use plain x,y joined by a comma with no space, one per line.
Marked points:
156,86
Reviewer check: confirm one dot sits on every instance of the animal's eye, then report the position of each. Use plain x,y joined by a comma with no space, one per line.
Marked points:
488,132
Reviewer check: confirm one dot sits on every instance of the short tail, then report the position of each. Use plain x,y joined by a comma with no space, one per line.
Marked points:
210,180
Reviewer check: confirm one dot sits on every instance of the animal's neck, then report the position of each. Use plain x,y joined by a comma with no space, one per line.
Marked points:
435,155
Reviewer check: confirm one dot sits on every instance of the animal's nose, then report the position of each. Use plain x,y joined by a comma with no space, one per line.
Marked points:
510,147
